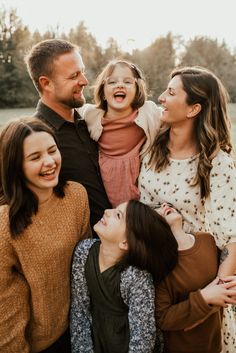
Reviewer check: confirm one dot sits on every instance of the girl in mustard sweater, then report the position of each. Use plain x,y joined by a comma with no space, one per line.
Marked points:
42,219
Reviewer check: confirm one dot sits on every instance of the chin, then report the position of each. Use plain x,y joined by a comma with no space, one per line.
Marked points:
79,102
55,182
51,184
96,227
163,119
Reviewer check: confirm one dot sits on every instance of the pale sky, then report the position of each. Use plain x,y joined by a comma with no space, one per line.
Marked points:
132,23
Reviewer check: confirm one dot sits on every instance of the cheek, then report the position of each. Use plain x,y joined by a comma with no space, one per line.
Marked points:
132,92
30,170
58,159
105,92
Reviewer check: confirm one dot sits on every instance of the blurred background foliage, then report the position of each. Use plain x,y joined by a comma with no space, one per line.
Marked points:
156,60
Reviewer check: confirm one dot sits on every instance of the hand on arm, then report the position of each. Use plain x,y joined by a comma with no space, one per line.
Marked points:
182,315
231,279
219,294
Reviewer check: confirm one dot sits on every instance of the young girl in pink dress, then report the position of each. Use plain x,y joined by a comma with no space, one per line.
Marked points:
124,123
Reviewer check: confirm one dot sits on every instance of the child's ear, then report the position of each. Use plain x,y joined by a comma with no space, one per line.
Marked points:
123,245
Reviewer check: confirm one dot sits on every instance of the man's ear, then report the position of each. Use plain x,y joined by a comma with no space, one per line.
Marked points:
194,110
123,245
44,82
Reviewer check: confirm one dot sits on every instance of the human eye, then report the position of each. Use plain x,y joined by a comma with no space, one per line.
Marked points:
53,150
74,76
171,92
34,157
129,81
111,81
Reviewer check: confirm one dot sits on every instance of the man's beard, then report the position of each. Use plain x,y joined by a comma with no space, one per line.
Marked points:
74,103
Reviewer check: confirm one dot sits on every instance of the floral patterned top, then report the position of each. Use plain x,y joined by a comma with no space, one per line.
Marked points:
215,214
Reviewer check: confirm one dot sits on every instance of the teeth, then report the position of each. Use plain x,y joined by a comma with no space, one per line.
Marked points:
49,172
120,93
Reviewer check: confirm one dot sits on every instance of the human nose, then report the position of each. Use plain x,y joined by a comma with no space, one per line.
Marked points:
108,212
163,206
119,84
48,160
161,98
167,204
83,81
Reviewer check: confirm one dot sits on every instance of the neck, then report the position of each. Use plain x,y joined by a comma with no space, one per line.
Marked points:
185,241
44,196
63,110
108,256
118,114
182,142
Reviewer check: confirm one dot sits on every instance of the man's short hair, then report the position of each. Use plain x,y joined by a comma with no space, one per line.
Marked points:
39,60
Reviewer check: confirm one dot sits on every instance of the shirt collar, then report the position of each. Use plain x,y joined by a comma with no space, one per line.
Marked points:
52,117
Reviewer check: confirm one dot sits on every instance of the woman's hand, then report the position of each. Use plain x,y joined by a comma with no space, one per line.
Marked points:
220,292
230,279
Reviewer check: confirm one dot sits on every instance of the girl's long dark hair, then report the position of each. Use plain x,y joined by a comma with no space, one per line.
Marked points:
151,244
22,202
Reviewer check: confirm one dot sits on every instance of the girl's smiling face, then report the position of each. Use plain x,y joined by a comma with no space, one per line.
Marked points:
120,89
41,162
168,212
112,226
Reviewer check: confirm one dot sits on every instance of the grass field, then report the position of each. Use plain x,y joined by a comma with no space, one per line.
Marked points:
7,114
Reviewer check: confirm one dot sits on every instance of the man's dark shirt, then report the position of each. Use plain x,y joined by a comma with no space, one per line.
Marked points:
79,157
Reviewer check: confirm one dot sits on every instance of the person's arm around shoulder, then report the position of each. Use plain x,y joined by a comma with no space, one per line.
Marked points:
149,119
80,317
14,302
92,117
137,291
150,114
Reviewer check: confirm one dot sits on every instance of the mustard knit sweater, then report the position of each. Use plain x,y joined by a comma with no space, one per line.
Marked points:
35,272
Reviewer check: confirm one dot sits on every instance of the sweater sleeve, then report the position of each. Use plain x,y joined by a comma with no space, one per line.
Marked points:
84,225
14,302
80,317
139,296
182,315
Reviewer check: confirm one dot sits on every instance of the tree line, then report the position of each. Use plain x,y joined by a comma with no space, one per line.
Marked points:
156,61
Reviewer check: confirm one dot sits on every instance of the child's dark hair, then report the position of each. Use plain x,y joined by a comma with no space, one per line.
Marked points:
151,243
